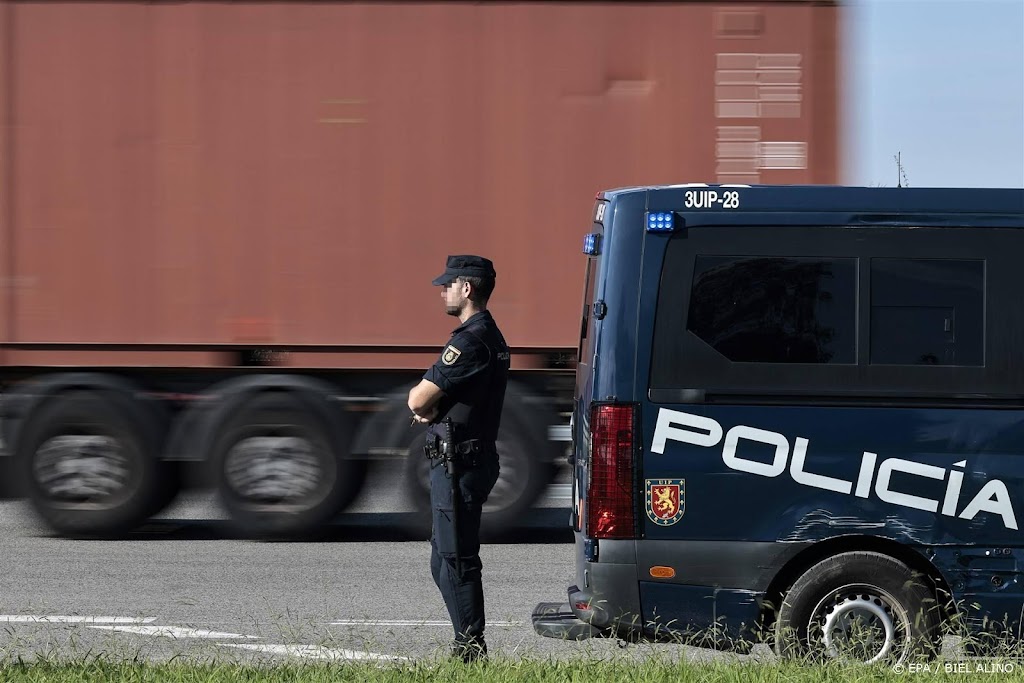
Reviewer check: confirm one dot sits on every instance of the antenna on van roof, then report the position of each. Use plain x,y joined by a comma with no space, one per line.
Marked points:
901,176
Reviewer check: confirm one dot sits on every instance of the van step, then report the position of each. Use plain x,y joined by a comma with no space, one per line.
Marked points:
556,620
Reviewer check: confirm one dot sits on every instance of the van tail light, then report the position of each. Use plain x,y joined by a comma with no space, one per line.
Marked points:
611,495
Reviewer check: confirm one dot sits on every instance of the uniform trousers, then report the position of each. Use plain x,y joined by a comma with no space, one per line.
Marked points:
463,595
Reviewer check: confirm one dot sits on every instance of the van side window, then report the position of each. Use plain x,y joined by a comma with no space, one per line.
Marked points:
791,311
927,311
776,309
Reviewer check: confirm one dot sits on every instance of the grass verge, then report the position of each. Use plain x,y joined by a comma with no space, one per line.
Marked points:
500,670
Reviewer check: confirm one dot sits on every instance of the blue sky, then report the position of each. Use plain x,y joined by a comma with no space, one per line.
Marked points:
941,82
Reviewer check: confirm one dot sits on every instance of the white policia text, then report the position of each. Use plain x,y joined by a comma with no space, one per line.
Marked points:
702,431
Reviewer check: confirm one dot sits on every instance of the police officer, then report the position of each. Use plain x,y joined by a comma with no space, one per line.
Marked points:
466,384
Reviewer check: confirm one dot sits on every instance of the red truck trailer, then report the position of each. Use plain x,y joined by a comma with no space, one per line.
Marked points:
219,222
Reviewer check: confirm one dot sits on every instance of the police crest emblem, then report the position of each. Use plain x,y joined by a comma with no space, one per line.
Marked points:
450,355
666,500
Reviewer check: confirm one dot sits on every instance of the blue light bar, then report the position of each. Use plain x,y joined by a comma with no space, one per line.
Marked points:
660,222
592,244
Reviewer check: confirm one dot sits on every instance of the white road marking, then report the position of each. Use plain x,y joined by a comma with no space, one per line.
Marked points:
315,652
56,619
172,632
408,622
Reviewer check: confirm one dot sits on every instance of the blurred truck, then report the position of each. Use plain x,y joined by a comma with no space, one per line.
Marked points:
219,222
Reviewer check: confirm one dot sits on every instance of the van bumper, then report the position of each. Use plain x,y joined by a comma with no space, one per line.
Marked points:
582,617
557,620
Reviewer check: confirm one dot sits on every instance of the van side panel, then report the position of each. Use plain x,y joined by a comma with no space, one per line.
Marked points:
764,476
796,474
690,610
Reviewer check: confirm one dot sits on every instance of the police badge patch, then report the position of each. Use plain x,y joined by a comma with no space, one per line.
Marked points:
666,500
450,355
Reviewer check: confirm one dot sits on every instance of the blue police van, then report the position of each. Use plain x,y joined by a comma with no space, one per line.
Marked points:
799,418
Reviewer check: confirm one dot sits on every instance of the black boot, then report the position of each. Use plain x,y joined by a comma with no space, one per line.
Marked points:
469,651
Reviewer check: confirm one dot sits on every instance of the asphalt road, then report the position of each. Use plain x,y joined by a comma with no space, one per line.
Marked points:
182,586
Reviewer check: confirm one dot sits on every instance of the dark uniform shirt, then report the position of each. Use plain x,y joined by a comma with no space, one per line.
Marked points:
472,372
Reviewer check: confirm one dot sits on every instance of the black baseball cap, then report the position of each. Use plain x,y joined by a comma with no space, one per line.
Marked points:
466,265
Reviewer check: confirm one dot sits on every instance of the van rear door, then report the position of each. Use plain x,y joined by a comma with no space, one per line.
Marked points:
590,324
557,619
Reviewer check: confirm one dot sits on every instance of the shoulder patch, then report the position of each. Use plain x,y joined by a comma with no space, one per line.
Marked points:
450,355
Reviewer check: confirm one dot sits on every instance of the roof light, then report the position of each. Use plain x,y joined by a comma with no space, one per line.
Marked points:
592,244
660,222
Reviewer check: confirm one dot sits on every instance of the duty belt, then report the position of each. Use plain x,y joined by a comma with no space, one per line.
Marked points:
434,447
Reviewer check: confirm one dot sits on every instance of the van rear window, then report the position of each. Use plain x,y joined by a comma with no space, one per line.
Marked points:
589,292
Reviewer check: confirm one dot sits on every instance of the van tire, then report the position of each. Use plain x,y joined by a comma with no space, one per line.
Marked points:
873,587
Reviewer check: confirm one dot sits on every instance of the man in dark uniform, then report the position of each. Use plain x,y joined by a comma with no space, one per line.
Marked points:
467,384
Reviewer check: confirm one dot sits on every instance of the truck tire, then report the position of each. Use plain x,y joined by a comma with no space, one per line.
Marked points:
279,471
861,605
88,460
523,477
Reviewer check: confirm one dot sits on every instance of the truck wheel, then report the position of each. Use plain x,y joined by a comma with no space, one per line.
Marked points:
88,459
863,606
522,479
279,471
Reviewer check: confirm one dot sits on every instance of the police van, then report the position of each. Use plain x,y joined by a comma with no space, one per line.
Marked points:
799,417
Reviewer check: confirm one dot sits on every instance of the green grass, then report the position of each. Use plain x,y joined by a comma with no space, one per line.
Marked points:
65,658
501,670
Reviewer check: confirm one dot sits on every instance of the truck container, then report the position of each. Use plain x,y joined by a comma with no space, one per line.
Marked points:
219,223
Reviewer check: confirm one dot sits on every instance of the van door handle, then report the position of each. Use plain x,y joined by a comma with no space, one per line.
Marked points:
600,310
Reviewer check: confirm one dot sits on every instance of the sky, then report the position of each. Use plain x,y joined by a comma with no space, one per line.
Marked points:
941,82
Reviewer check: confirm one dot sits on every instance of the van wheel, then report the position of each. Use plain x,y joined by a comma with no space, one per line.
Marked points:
521,480
860,606
88,459
278,471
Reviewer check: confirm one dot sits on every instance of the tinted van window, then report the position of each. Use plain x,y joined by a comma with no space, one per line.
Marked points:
927,311
776,309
